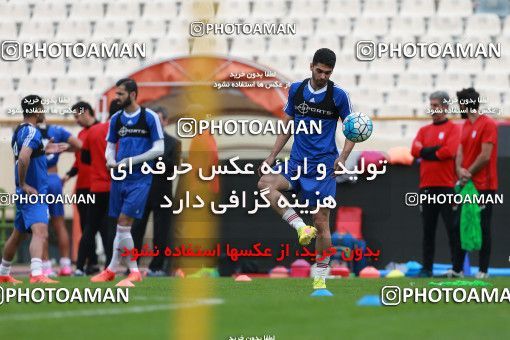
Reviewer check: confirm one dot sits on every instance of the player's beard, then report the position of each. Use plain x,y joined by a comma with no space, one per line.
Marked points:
125,103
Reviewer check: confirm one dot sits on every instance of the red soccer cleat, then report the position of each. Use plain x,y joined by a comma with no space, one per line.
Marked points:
41,279
65,271
105,276
9,279
134,277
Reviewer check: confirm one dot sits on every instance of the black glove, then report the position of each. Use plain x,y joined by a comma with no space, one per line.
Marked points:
429,153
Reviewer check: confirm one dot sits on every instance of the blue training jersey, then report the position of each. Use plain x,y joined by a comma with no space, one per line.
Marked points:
37,175
59,135
132,138
316,147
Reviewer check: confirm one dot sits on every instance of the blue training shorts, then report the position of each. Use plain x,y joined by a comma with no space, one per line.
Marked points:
55,188
129,198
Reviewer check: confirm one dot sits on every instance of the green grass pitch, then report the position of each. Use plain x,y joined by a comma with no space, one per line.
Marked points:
281,308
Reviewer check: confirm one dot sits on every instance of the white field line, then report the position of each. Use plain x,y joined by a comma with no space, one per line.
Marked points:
109,311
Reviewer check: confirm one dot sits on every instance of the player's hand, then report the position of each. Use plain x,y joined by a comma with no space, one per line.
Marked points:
464,175
28,189
55,147
65,179
340,160
269,161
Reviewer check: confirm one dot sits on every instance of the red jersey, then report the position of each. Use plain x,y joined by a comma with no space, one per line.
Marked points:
95,144
441,172
483,130
83,180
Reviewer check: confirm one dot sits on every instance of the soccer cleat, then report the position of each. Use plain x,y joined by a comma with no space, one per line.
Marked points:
134,277
305,234
319,283
9,279
65,271
451,274
481,275
41,279
79,272
105,276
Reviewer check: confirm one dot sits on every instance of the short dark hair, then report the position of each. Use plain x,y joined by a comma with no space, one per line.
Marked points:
82,106
471,98
324,56
129,84
30,104
114,107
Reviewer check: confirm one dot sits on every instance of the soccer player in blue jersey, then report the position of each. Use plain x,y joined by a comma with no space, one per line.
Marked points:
315,99
59,135
31,178
135,134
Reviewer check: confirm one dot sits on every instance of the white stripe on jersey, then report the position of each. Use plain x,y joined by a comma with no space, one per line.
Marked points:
157,121
347,95
30,136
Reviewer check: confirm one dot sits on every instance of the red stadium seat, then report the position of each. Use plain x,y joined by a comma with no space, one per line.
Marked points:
348,220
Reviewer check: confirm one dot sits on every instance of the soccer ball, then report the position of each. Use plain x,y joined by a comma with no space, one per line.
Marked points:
357,127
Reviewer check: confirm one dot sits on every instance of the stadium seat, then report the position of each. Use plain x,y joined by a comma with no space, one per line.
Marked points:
349,8
464,66
101,84
349,220
171,47
158,10
371,26
346,81
396,110
372,96
452,80
121,68
209,45
350,41
483,25
490,97
456,8
32,30
504,41
405,96
426,65
108,29
15,11
34,84
74,29
417,8
279,63
414,80
385,8
285,45
304,25
72,85
90,67
229,9
87,10
44,10
48,67
313,43
334,25
270,9
10,101
408,26
506,26
8,30
348,64
496,65
197,9
387,65
123,10
149,28
442,26
303,8
376,81
248,46
14,69
492,81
